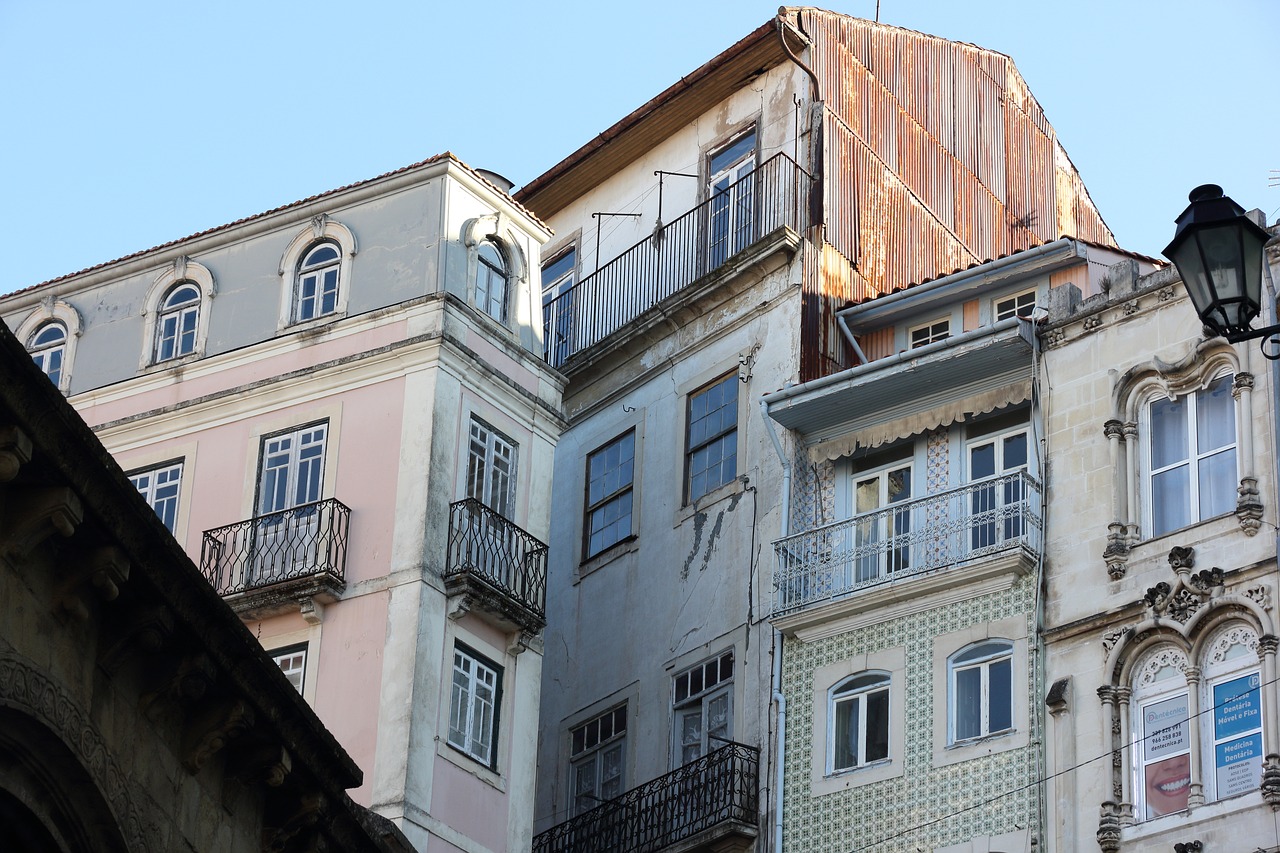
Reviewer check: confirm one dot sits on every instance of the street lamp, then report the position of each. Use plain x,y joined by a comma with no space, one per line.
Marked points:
1218,252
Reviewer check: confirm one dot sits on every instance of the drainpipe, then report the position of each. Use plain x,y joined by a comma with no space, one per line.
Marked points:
780,701
848,336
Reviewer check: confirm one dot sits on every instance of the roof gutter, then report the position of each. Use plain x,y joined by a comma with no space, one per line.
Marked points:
783,26
1041,256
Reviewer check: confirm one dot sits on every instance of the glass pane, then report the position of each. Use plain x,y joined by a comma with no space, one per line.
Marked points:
877,726
1218,484
1015,452
845,750
1171,500
1168,432
1000,710
1215,416
717,720
320,255
968,701
982,461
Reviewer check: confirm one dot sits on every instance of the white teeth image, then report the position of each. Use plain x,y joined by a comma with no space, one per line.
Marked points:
1174,785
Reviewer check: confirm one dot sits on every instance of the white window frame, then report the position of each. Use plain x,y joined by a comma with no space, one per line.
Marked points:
872,531
847,694
1002,653
934,331
183,271
603,734
1167,736
177,323
491,469
69,318
292,661
619,526
1193,456
731,196
321,229
726,438
49,352
1014,305
822,781
161,487
694,691
988,502
325,279
490,276
474,703
558,330
1219,673
302,461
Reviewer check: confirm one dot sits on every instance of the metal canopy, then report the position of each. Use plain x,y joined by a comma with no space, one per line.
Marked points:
913,381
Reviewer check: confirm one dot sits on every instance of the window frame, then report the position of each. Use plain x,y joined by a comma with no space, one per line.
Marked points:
625,490
701,699
277,656
321,229
984,665
293,466
149,490
484,464
72,324
938,329
730,193
594,754
487,272
51,355
317,272
892,661
186,323
477,660
1020,308
727,436
845,693
558,335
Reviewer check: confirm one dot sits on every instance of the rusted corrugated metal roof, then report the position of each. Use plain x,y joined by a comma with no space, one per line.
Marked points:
308,200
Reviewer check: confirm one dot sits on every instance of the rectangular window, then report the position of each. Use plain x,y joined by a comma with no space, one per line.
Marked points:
293,663
1192,456
1163,762
712,440
558,277
731,196
290,482
610,475
161,486
1018,305
858,715
473,705
882,531
702,707
929,333
1237,735
597,759
491,468
998,511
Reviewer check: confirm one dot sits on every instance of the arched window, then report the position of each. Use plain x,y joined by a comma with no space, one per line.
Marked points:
858,718
1162,757
980,690
48,348
178,321
492,278
316,290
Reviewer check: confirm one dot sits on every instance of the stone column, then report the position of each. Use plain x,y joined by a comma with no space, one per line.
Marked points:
1196,796
1131,479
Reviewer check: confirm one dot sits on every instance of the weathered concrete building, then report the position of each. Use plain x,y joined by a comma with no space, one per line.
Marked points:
705,245
1160,621
136,712
341,409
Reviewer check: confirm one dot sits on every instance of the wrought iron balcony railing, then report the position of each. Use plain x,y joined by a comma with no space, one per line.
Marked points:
718,788
773,195
306,540
484,545
907,538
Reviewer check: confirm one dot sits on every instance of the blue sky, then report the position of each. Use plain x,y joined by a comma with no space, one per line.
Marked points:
131,124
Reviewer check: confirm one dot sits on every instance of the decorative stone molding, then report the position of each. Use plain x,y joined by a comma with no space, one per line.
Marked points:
26,687
1059,696
269,763
103,571
1092,322
1054,338
33,514
1116,554
193,677
1271,781
1249,505
1166,293
305,813
1110,639
209,730
1259,595
15,451
1188,592
138,629
1109,828
1188,847
1182,557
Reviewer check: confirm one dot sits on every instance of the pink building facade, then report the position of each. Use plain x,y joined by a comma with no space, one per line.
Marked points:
340,409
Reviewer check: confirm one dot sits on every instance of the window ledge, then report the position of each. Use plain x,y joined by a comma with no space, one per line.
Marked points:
730,489
625,545
980,747
856,777
178,361
469,765
312,325
1228,811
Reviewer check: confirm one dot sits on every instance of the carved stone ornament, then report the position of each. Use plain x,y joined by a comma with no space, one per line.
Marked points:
1249,506
1165,294
1116,554
15,451
1110,639
1188,847
1182,557
209,730
1271,781
32,514
1259,595
1092,322
1054,338
1109,828
1183,605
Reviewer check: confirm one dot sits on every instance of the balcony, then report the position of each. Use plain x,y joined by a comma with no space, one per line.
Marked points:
707,804
975,524
269,563
495,569
774,196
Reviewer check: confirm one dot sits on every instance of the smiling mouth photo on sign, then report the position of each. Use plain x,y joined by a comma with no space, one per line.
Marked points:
1168,782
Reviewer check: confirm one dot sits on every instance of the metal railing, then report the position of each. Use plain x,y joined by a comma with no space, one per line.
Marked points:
907,538
305,540
483,543
774,194
721,786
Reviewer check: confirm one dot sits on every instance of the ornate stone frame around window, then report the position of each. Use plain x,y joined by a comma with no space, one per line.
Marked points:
181,269
1134,390
321,228
70,318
